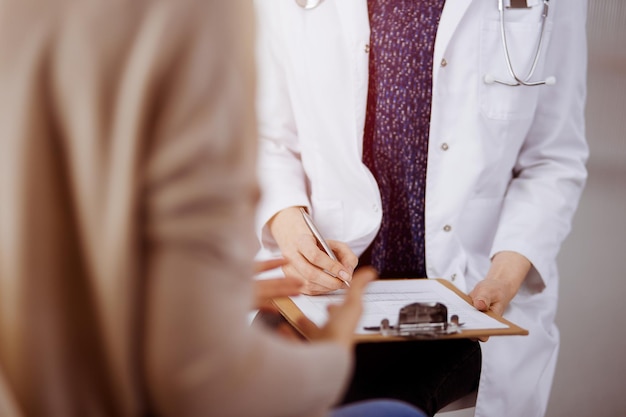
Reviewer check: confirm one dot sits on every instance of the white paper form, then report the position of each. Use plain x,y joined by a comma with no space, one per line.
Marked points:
384,299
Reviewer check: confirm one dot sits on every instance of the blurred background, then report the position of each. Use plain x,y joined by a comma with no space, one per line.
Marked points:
591,372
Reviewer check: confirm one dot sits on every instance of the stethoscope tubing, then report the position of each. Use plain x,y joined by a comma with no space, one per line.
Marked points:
308,4
526,80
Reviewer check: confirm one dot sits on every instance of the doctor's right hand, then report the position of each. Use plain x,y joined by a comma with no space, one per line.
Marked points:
306,260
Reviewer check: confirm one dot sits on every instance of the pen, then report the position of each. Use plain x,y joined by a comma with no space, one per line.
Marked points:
318,236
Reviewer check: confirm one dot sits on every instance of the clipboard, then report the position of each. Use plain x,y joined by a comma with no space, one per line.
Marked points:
397,293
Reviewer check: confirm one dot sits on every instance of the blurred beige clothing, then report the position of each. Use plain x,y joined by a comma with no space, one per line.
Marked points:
127,194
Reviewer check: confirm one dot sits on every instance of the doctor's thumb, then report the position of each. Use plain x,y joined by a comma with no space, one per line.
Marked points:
481,304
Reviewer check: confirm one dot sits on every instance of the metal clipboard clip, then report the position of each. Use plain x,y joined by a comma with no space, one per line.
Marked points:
420,320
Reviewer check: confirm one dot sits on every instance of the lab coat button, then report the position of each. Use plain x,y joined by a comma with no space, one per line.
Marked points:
447,228
444,146
453,277
444,63
367,48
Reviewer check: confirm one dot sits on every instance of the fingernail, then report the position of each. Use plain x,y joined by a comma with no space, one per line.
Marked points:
344,275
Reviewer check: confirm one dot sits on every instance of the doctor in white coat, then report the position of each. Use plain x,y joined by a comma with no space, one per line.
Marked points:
506,164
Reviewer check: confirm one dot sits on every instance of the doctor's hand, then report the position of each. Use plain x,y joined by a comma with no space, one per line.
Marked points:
342,318
305,259
506,274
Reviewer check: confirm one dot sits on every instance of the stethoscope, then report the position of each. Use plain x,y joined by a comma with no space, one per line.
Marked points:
489,78
308,4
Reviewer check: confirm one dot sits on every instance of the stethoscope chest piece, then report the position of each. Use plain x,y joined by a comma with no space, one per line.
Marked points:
308,4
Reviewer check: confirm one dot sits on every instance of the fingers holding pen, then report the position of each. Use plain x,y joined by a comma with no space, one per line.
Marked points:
304,262
315,281
342,267
347,260
324,266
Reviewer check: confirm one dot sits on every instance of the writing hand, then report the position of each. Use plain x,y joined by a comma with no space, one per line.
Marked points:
306,260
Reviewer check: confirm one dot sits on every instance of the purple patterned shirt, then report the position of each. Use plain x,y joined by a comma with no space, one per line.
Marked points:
397,127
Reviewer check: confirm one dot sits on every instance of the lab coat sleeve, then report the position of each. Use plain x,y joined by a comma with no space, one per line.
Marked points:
550,172
202,358
280,171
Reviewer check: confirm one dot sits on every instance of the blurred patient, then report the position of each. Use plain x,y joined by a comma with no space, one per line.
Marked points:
127,194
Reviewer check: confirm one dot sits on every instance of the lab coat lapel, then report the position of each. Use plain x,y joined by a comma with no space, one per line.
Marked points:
355,25
354,19
453,12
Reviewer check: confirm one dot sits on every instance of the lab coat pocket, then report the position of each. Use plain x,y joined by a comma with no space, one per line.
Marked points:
504,102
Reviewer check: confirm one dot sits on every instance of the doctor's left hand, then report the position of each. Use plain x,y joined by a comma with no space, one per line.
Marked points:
306,260
495,292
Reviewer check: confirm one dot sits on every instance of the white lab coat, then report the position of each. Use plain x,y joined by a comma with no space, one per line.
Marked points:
506,165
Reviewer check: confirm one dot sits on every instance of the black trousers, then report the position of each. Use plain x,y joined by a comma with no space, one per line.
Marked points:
429,374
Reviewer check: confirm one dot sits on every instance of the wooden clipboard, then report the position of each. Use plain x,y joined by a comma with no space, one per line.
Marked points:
293,314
